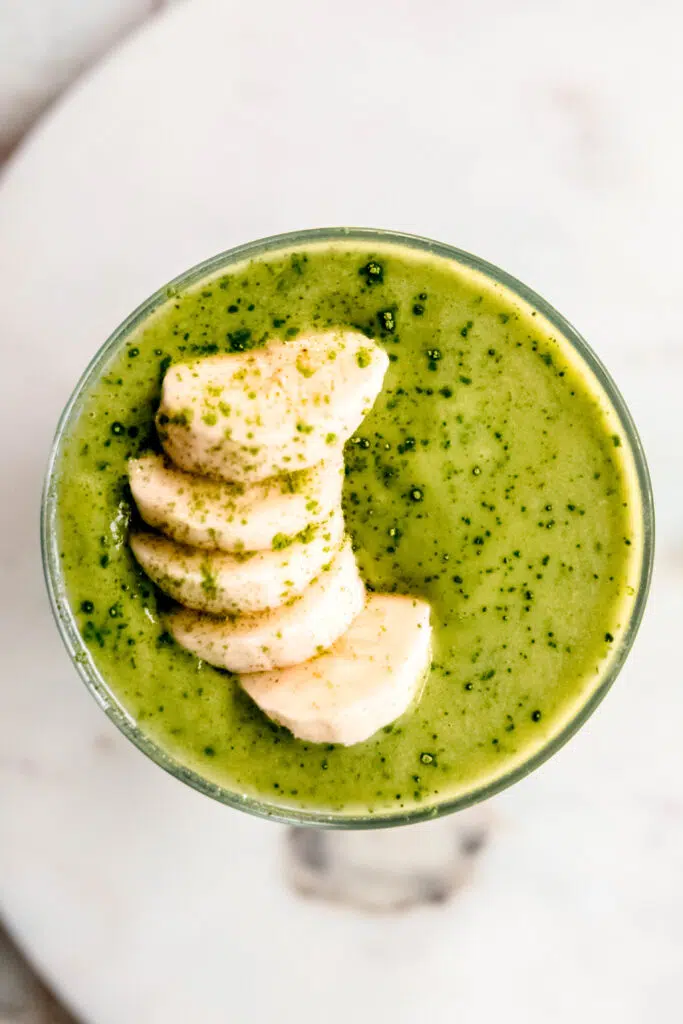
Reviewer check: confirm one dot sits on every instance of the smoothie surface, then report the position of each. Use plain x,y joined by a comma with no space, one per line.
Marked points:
491,478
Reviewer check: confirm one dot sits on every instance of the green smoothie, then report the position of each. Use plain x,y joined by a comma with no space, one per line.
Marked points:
491,478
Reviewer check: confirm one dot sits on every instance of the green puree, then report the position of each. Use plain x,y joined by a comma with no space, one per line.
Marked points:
489,478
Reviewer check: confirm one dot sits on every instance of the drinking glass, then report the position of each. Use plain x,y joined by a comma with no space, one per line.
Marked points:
307,854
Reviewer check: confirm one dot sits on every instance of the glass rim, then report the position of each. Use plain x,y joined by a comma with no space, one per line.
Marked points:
79,652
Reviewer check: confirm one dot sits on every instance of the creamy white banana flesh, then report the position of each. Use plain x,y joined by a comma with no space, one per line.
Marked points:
233,517
223,583
250,415
284,636
366,680
248,499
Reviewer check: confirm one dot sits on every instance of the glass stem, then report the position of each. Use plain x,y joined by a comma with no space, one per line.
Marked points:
391,868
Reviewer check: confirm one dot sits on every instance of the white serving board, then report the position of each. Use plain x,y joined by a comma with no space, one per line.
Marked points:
545,137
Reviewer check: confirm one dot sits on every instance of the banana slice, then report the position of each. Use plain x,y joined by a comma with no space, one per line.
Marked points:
250,415
367,679
222,583
233,517
284,636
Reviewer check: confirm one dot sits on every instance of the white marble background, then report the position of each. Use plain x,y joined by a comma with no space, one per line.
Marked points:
46,44
546,137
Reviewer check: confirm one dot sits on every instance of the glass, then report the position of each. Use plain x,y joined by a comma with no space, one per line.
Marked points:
79,652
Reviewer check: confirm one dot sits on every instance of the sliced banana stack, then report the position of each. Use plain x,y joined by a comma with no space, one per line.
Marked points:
250,543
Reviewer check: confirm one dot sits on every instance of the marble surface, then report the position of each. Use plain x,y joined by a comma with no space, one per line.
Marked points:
546,138
45,44
24,998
